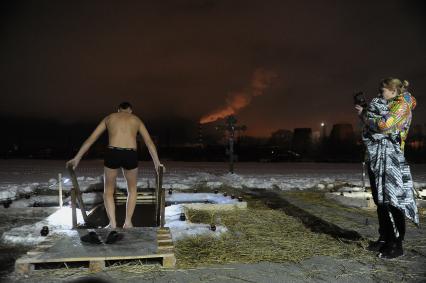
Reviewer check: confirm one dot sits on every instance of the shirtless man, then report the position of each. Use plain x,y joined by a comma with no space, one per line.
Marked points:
122,127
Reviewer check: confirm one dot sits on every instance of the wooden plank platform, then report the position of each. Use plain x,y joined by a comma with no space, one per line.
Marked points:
137,243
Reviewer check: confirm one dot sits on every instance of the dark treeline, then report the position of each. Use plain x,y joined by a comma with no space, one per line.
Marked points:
184,140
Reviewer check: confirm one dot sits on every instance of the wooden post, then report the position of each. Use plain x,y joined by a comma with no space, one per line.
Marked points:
157,200
162,194
160,197
73,209
60,189
78,193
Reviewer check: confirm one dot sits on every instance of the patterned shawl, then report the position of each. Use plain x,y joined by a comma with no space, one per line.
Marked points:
387,162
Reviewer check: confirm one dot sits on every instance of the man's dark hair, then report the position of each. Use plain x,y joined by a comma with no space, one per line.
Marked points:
125,105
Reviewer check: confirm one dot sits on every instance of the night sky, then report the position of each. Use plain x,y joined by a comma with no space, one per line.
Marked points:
278,64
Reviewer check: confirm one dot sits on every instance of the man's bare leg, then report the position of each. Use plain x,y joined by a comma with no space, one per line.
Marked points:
110,176
131,178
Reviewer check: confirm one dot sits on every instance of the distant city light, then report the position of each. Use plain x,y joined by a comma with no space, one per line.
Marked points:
322,124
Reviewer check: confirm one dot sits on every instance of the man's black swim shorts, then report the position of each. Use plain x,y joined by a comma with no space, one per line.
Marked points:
116,157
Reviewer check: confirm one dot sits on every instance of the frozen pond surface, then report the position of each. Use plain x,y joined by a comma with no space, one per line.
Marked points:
27,174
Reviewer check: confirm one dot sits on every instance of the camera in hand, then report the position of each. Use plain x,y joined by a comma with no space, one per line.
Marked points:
359,99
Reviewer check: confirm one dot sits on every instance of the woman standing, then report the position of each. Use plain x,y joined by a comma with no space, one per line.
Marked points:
387,120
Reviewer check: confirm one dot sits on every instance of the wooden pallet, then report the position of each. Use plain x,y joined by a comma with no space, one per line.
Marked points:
138,243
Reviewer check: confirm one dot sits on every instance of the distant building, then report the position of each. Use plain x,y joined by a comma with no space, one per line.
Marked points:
341,143
316,136
342,133
302,140
281,138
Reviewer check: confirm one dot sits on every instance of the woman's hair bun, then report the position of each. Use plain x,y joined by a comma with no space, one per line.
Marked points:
405,83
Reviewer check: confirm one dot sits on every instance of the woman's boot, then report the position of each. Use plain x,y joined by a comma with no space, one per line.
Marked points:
392,249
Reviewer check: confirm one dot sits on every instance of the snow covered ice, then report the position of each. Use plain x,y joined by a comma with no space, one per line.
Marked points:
19,178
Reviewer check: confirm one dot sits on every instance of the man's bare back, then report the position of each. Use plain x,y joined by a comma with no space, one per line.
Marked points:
122,129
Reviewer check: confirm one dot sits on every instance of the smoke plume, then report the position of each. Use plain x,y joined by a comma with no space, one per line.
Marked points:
237,100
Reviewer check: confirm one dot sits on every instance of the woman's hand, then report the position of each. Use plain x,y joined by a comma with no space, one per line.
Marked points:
359,109
73,163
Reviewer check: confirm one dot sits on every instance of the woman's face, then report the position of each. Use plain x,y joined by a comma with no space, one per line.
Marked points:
388,94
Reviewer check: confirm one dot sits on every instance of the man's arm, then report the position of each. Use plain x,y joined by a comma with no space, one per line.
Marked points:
87,144
150,144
